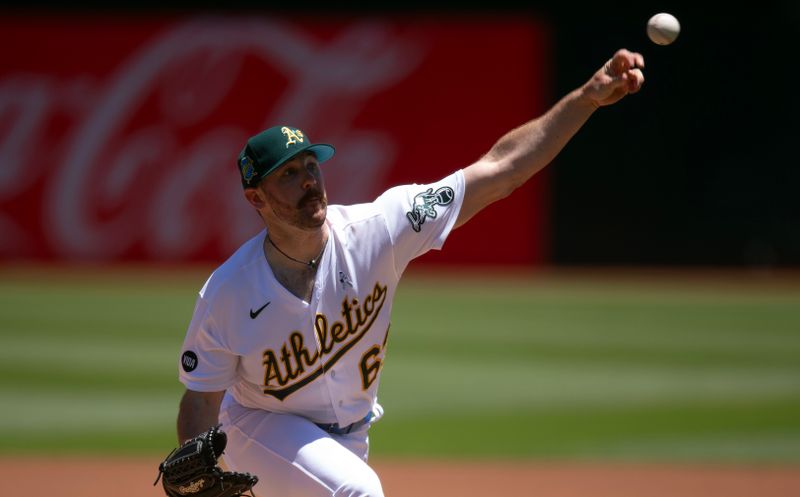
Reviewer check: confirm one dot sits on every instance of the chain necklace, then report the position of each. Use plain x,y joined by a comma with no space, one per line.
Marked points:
312,264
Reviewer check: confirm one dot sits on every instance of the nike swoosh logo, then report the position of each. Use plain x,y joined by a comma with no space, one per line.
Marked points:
254,314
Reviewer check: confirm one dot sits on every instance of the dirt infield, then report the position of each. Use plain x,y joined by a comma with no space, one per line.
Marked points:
120,477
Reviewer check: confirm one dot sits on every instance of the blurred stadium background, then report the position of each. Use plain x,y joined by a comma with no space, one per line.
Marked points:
639,300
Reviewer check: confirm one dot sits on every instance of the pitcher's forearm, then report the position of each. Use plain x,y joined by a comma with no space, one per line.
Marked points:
527,149
524,151
198,412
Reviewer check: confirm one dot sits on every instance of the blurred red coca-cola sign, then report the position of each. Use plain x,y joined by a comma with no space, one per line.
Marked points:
118,136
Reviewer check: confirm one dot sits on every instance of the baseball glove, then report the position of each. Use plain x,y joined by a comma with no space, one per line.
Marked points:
192,469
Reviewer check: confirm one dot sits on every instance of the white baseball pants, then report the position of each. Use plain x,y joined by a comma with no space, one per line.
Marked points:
293,457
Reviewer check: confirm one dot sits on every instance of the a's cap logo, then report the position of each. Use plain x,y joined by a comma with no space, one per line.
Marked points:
248,168
189,361
292,135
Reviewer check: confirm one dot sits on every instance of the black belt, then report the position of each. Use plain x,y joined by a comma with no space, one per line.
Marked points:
335,429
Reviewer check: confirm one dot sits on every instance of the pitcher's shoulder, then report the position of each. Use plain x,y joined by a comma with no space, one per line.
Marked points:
237,267
342,216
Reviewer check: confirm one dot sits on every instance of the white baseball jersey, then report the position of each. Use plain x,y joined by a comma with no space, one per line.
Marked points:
320,359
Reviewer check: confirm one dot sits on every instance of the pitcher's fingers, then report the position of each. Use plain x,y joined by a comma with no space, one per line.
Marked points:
622,60
635,80
639,58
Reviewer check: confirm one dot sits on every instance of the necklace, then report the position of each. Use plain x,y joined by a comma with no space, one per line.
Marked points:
313,263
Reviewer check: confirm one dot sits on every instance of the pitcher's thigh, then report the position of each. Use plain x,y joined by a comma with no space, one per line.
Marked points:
292,457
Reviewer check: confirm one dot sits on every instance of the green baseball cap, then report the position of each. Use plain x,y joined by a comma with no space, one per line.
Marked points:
268,150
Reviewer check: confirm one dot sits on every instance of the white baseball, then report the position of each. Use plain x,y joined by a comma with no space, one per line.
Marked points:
663,28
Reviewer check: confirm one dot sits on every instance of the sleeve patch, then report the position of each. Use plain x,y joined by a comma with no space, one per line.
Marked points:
424,205
189,361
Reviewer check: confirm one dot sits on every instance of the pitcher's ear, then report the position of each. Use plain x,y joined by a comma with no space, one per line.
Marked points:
255,197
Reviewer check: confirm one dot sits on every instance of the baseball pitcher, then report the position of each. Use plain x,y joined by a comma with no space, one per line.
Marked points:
283,356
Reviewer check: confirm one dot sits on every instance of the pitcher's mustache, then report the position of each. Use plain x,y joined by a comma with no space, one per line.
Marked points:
310,196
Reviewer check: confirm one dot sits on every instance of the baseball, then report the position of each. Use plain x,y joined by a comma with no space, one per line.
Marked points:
663,28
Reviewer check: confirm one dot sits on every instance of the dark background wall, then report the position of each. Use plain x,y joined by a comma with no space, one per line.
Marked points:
697,169
700,167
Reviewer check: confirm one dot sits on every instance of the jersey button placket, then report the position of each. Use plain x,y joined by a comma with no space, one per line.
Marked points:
329,374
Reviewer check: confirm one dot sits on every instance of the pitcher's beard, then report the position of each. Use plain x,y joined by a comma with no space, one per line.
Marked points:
308,213
317,218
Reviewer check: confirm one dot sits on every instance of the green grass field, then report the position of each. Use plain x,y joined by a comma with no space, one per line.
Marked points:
682,368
